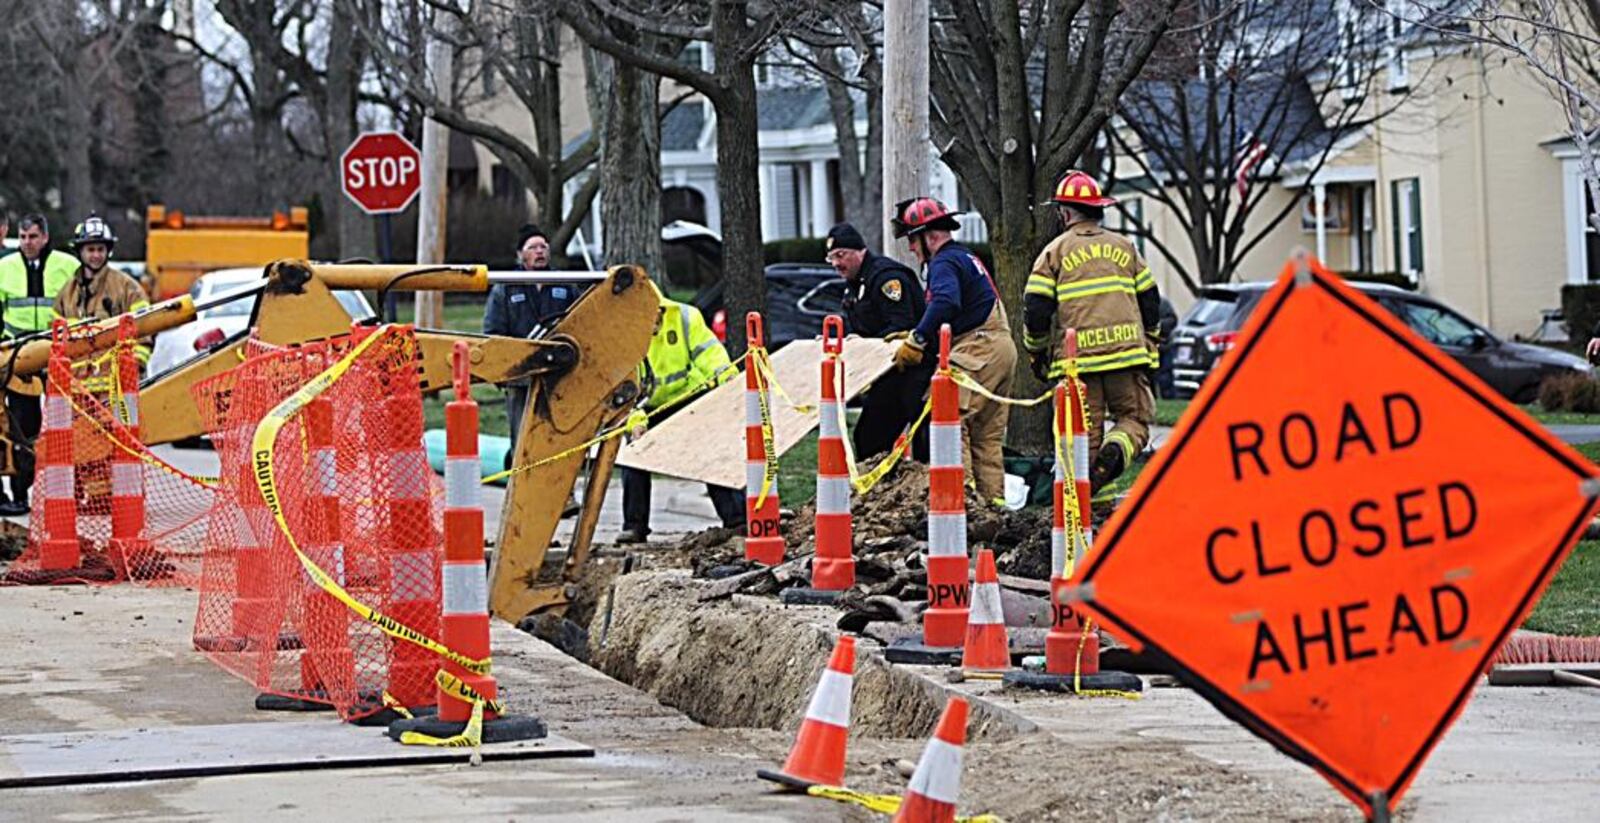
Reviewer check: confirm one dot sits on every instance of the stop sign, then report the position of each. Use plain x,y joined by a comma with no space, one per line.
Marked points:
381,172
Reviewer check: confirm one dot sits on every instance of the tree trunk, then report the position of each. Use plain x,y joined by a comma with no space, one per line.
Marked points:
344,68
77,194
739,189
630,166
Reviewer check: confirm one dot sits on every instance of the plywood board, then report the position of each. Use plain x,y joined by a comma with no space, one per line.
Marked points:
705,439
123,755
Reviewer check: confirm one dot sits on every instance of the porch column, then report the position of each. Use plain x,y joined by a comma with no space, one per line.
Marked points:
821,200
1319,191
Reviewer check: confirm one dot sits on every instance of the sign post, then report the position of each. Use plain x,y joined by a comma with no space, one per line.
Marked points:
1340,534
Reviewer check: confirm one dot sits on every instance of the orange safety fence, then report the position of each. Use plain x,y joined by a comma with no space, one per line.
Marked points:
90,447
357,497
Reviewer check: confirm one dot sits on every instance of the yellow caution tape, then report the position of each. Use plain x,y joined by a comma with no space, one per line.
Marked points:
263,447
144,456
769,445
456,687
966,381
882,803
770,376
865,482
392,702
470,737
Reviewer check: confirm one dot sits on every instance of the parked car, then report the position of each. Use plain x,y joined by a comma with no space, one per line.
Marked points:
1210,327
799,296
221,322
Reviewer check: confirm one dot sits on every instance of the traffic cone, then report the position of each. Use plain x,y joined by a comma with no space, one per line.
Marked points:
818,754
987,647
935,785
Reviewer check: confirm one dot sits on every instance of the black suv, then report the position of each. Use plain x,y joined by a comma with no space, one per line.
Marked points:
799,296
1212,324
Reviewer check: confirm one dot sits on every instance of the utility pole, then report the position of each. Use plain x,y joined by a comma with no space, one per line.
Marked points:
905,111
432,202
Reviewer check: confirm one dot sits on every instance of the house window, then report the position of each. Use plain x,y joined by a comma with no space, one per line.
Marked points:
1398,75
1591,239
693,55
1406,197
1361,210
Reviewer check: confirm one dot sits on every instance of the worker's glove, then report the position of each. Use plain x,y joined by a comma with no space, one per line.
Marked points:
1039,362
897,335
638,422
909,354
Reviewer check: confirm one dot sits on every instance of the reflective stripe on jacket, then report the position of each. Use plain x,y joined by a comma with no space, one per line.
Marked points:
25,311
1093,279
683,355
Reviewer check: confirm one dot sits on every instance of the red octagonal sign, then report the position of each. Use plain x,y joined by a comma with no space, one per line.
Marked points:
381,172
1340,533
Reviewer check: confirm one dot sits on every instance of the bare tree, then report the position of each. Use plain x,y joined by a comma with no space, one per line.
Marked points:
624,107
852,75
1265,87
1558,40
738,32
514,43
1020,91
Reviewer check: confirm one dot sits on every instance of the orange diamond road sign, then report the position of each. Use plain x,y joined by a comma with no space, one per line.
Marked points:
1339,535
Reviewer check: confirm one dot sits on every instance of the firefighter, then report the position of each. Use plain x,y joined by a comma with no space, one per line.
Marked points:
882,298
1092,281
961,293
29,282
99,290
684,359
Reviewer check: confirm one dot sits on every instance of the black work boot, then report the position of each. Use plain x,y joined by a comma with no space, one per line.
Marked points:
1108,466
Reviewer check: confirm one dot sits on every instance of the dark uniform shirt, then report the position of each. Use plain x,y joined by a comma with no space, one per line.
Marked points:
514,310
960,292
884,297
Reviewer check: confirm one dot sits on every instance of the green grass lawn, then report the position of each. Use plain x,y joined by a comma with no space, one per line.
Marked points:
1562,418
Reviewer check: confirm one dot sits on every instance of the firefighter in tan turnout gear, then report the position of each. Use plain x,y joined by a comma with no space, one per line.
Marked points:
961,293
97,289
1092,281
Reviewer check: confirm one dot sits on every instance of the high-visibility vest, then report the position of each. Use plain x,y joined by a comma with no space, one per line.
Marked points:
684,355
27,313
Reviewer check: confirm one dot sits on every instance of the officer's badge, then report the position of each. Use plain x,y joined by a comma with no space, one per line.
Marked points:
672,337
892,290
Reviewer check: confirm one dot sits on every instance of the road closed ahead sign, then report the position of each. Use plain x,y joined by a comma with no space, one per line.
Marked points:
1339,535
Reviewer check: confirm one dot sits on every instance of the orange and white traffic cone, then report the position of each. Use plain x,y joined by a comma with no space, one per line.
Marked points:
763,542
130,548
56,495
833,569
936,784
1071,653
944,624
465,602
818,754
988,648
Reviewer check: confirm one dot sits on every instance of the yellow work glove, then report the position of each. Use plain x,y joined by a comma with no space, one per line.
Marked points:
638,422
909,354
897,335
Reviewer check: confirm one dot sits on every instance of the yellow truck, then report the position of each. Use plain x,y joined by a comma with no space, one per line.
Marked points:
181,247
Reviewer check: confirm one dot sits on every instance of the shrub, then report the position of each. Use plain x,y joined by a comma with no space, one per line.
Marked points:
1580,305
1570,392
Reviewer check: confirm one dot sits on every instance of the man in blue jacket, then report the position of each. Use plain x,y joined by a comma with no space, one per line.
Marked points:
527,310
962,294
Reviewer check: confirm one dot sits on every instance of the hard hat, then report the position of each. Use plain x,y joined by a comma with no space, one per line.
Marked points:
93,230
1079,189
919,214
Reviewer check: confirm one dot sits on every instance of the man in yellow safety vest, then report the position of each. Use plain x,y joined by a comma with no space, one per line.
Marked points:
684,359
29,282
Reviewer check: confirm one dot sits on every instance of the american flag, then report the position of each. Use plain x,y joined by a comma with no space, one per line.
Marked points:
1251,153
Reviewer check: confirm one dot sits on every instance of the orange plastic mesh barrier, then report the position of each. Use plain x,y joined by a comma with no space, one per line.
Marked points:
357,495
135,517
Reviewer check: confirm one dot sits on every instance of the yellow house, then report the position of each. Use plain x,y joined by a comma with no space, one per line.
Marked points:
1470,189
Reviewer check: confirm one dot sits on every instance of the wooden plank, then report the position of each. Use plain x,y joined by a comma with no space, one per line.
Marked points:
122,755
704,440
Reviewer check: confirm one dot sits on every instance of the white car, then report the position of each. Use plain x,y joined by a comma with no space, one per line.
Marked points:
175,346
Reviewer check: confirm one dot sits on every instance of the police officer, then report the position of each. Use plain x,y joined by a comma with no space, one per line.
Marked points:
961,293
882,298
527,310
29,282
1092,281
684,358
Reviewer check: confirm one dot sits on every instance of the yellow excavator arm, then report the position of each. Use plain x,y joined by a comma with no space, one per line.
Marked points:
583,379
